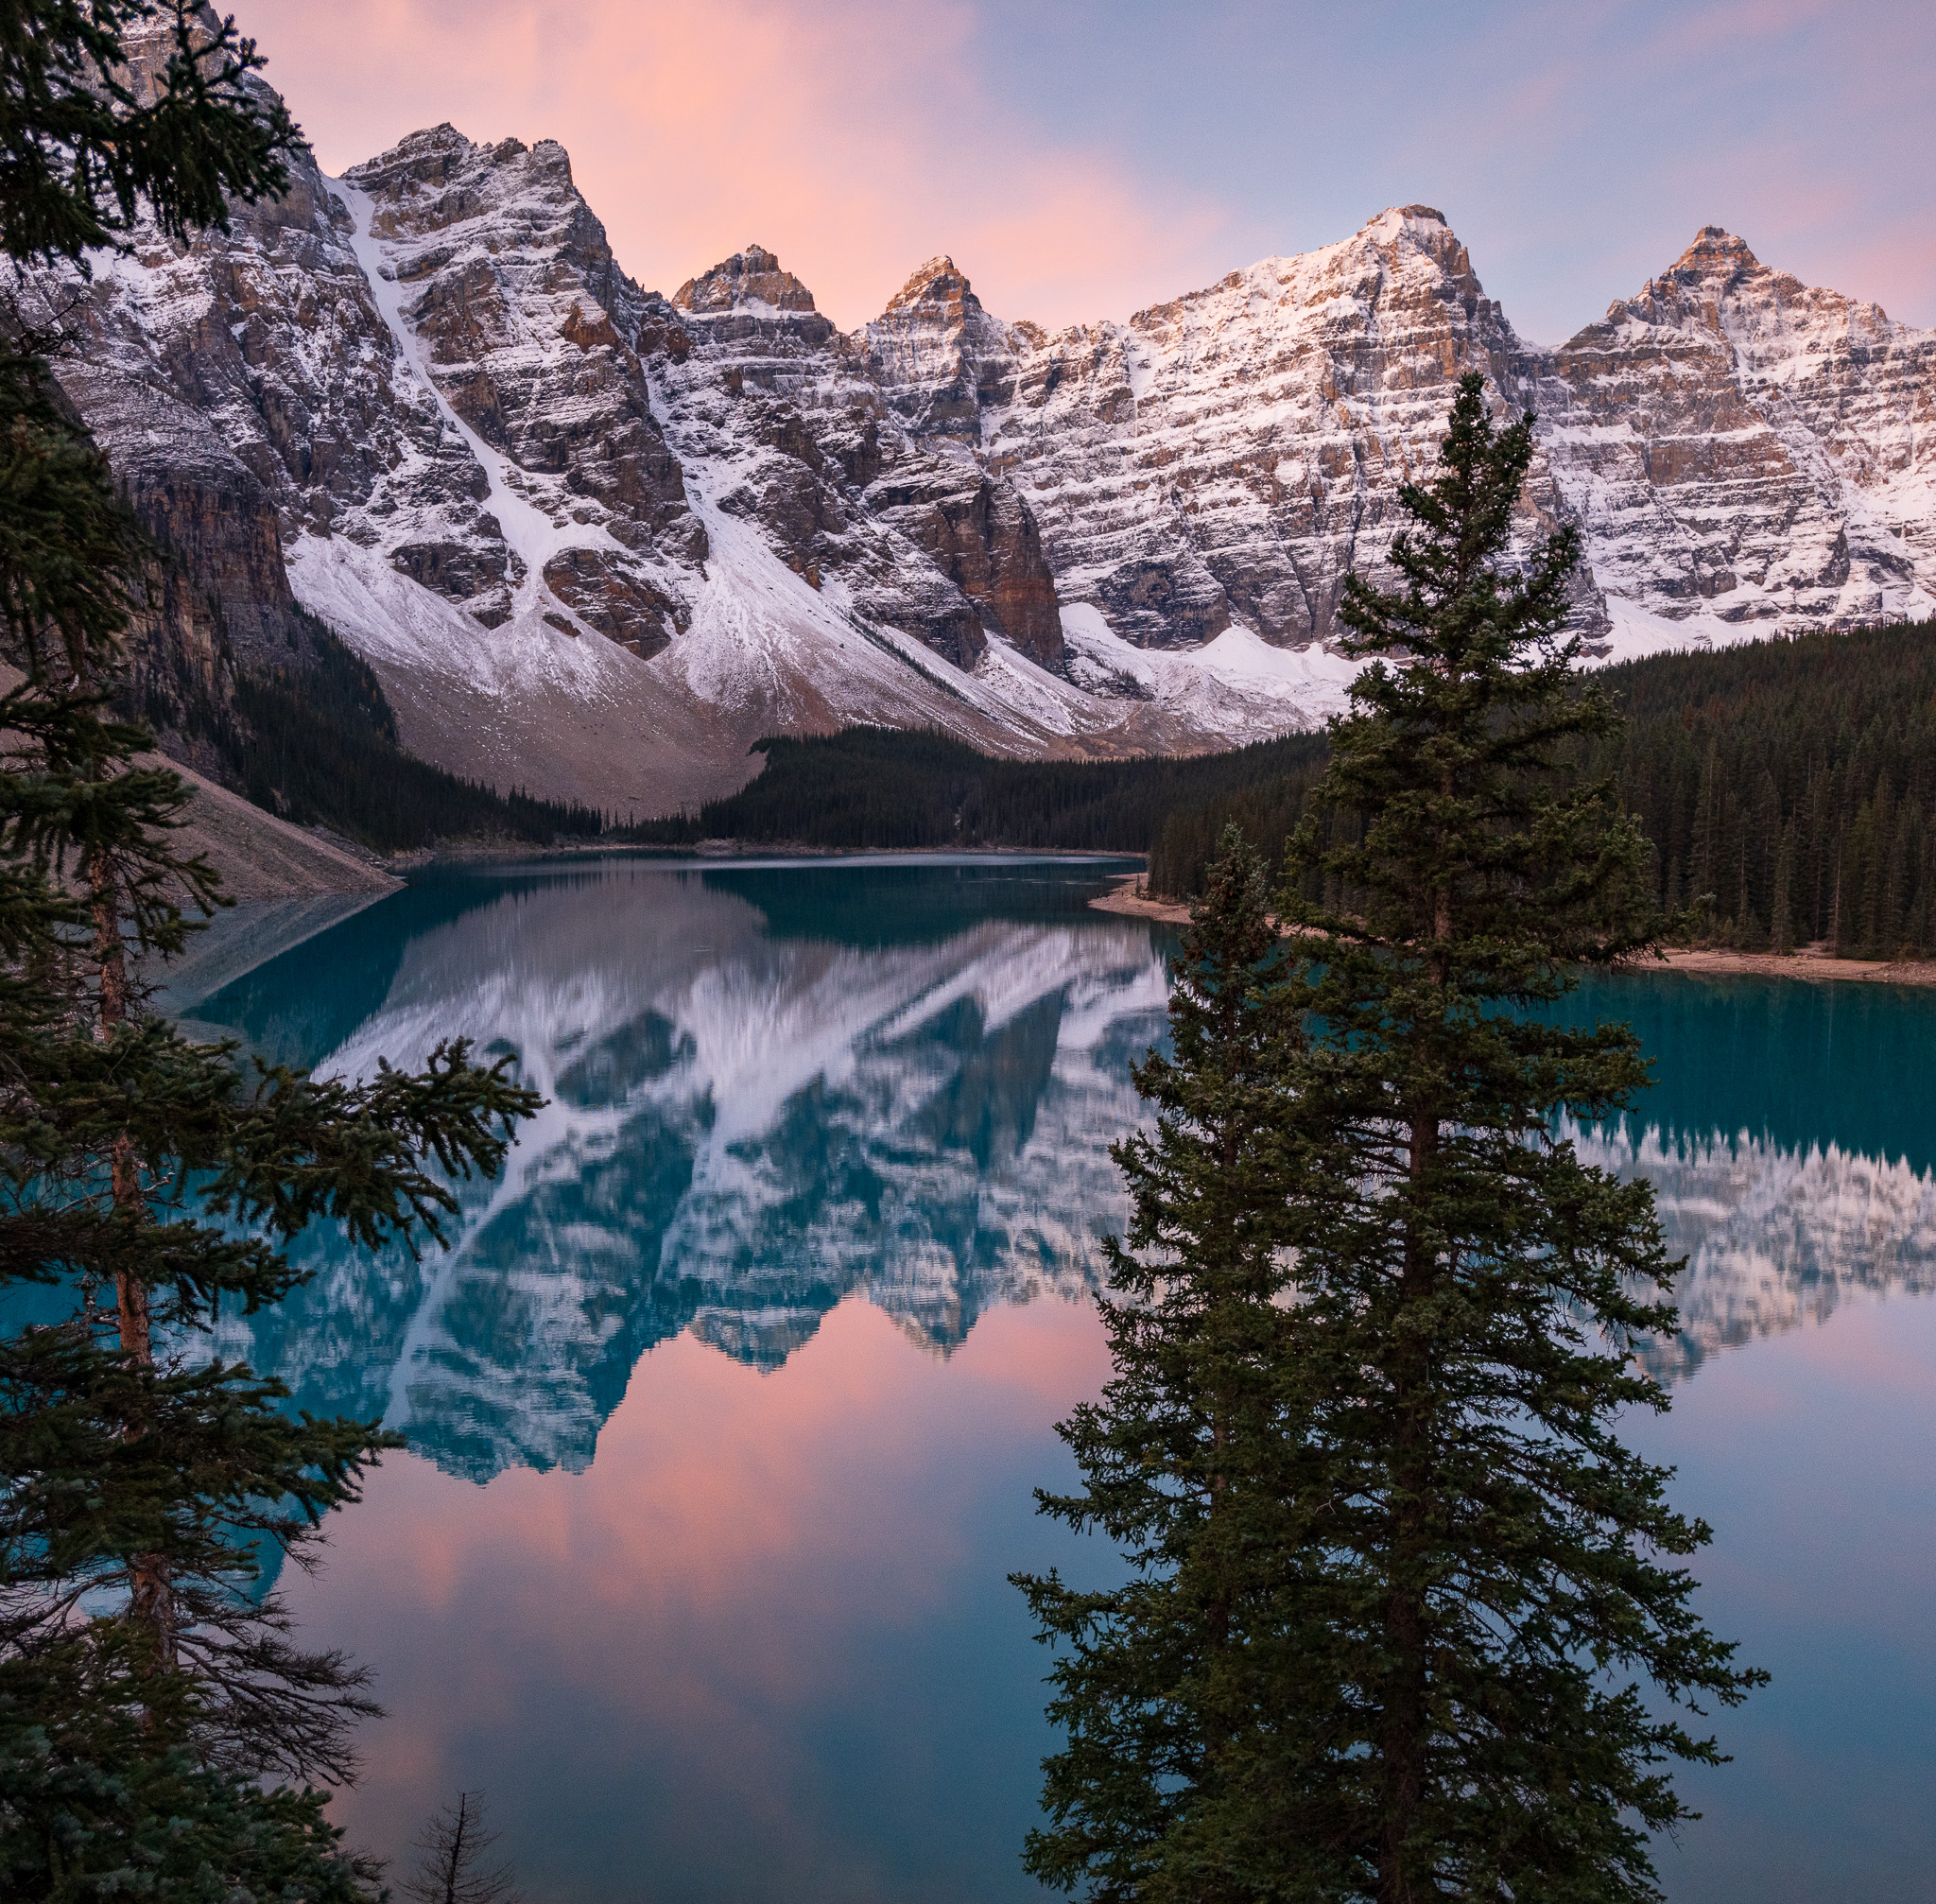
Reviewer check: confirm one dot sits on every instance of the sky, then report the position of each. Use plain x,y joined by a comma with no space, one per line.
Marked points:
1080,159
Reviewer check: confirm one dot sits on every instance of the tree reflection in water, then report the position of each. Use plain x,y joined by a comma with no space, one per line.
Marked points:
774,1087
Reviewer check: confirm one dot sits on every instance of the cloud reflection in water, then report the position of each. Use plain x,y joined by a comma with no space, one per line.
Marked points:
770,1090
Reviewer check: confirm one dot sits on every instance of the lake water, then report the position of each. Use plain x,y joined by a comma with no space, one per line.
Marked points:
726,1406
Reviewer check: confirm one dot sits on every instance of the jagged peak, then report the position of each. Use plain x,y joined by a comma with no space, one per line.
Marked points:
937,283
443,137
1421,230
439,150
1393,219
432,154
1717,248
752,275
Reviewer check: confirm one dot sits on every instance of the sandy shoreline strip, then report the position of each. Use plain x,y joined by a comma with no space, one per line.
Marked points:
1125,896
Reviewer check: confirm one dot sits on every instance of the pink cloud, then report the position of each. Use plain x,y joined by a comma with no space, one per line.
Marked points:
854,141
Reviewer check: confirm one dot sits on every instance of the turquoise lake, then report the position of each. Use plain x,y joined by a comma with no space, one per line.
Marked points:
726,1405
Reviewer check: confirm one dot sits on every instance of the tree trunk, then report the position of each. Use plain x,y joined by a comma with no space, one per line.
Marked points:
1217,1729
151,1596
1403,1733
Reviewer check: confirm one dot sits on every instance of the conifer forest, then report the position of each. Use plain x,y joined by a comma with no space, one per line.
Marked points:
1793,781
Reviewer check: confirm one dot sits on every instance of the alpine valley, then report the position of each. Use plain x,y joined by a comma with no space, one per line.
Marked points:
594,541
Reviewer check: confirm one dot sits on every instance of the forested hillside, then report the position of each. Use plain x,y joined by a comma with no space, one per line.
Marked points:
1793,781
869,788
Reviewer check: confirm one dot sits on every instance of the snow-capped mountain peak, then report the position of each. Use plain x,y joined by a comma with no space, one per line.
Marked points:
595,541
751,277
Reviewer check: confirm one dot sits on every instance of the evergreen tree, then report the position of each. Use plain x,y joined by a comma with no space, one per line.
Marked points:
83,150
1193,1456
144,1689
1472,1583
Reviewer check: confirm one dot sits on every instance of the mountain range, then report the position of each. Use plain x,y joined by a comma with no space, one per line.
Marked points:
595,540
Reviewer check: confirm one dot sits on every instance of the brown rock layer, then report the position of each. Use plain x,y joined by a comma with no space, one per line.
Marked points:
980,535
923,539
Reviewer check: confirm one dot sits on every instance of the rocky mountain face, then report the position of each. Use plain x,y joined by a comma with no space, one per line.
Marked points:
506,293
1745,453
799,444
595,541
1742,454
1224,458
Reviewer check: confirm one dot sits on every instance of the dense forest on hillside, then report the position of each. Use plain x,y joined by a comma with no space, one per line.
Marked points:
1266,813
316,742
887,789
1793,781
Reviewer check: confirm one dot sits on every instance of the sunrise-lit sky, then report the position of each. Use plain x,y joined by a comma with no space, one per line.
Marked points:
1081,159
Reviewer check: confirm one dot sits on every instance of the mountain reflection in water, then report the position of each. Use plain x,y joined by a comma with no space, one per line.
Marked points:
744,1126
1790,1138
1772,1237
817,1135
772,1088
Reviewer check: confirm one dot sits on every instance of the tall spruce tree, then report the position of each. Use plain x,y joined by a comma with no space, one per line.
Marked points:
1473,1644
146,1687
1195,1456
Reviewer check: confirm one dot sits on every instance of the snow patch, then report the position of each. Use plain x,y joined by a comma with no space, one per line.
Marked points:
1237,688
387,617
1638,630
533,532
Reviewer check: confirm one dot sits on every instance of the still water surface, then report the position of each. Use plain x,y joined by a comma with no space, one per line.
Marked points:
726,1406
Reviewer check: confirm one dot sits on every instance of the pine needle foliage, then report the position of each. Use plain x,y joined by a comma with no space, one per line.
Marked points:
1476,1659
1791,782
147,1695
1193,1459
82,151
1794,781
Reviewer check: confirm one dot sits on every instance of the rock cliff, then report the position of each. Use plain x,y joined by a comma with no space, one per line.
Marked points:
595,541
1745,453
1741,453
1226,458
930,545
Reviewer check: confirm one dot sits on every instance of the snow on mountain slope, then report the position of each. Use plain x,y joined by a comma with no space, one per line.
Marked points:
443,409
596,542
1743,454
1235,686
1225,458
1744,451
